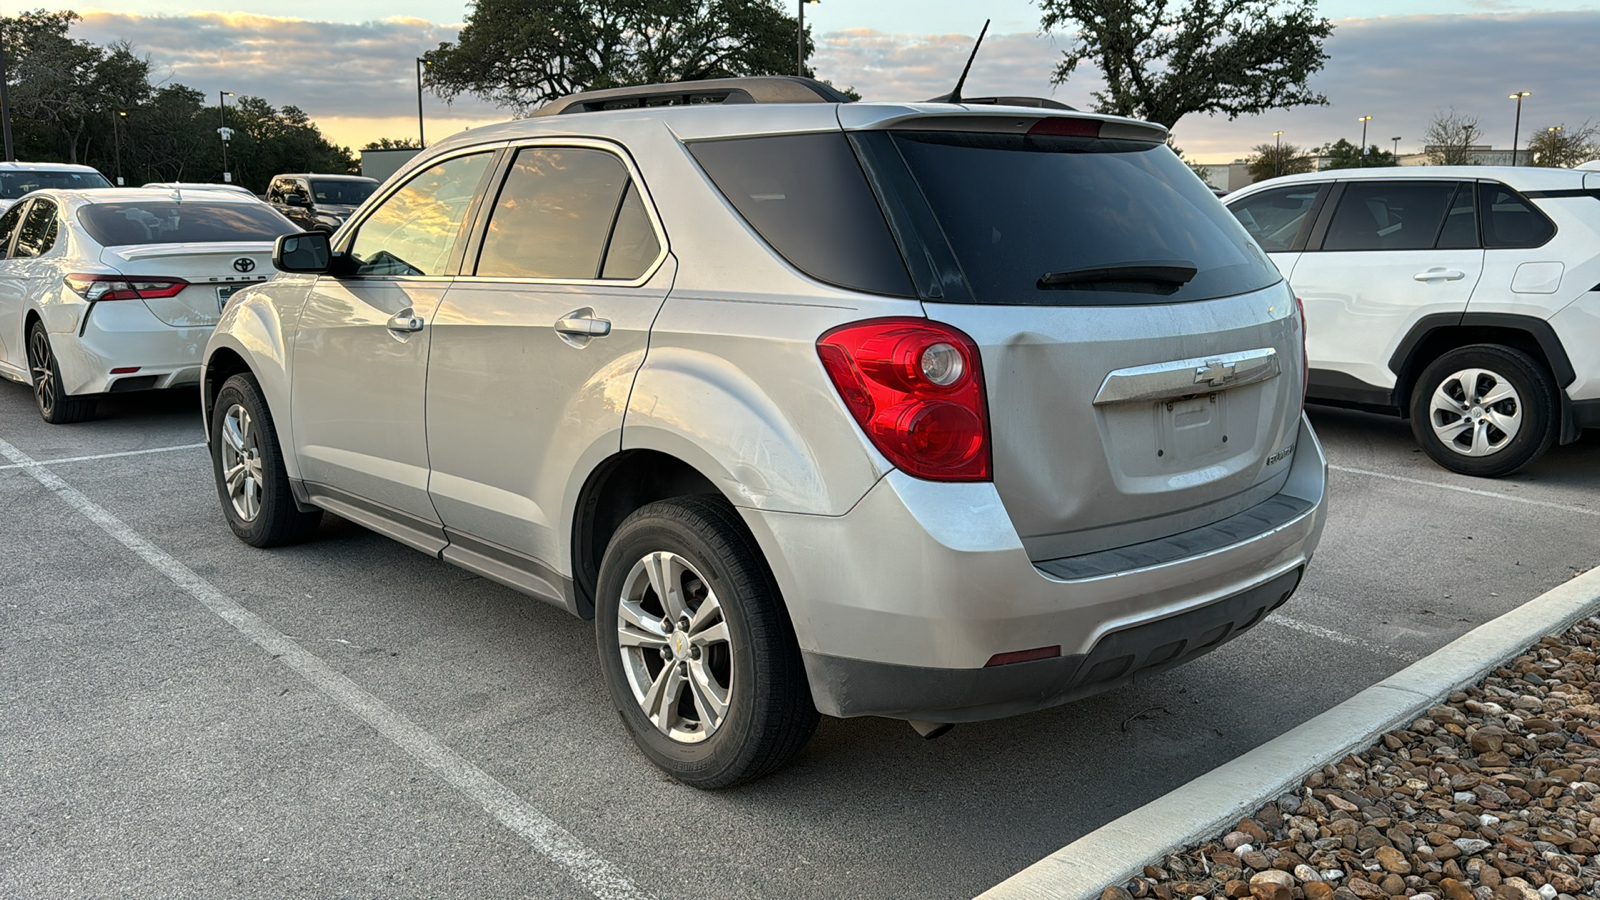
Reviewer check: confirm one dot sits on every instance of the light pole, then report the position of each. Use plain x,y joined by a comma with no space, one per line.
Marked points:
5,105
800,42
1396,151
422,140
1364,120
222,132
1277,153
116,134
1516,131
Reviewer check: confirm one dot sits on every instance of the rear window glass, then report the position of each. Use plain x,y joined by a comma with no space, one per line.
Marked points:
1017,208
1509,221
805,195
166,222
344,193
1389,215
15,184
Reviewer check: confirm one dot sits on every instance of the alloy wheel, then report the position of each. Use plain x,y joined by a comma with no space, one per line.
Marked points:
1475,412
241,462
44,376
675,647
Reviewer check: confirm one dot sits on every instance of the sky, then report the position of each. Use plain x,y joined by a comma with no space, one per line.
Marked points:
349,63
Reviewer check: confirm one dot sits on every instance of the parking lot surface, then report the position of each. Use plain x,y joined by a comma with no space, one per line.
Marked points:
184,716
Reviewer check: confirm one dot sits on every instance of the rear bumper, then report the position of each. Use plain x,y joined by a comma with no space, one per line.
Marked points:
899,604
122,334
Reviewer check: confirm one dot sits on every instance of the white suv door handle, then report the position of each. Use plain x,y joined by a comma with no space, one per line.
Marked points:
405,321
1439,274
583,326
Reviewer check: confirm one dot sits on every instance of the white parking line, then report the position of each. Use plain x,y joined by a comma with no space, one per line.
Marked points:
1330,635
69,459
541,832
1582,510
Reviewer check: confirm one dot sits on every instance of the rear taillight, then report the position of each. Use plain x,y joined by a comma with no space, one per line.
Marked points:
1305,360
1065,127
916,388
121,287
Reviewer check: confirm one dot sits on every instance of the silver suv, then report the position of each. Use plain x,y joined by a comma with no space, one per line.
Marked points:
928,411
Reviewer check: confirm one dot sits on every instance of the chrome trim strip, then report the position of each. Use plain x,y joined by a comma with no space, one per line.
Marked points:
1188,377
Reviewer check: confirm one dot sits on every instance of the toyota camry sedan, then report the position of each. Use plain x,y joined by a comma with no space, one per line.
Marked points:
116,290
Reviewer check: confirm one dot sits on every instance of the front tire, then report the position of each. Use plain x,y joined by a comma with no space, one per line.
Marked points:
1485,410
247,463
55,406
696,648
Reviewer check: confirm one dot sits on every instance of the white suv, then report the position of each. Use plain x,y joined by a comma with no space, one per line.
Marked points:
912,410
1466,298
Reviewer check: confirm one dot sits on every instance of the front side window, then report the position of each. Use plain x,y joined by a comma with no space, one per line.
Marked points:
557,216
1389,215
1510,221
415,229
181,222
8,227
1274,217
38,232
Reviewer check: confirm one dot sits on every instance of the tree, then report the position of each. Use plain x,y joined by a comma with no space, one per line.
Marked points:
1271,160
1201,172
1559,147
1344,155
389,143
1164,59
1451,138
523,53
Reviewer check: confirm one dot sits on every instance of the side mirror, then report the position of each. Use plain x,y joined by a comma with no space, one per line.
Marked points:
295,200
309,253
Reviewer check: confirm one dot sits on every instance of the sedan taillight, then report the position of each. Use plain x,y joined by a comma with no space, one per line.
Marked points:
95,288
916,388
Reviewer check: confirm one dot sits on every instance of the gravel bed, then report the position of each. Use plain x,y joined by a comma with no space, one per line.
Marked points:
1492,795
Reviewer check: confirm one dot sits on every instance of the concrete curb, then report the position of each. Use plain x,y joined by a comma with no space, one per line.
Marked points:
1208,805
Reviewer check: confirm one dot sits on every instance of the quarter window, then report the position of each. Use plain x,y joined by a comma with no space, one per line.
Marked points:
38,232
569,213
1460,231
1274,217
415,229
1389,215
1510,221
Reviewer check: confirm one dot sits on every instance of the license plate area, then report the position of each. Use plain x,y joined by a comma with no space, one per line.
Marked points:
1191,428
224,291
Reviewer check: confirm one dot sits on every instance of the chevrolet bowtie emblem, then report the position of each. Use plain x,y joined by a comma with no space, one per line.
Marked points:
1217,373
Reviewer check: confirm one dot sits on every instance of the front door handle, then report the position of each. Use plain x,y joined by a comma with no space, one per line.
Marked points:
405,321
1439,274
583,326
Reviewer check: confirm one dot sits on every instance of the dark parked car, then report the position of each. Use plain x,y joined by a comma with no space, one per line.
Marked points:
319,202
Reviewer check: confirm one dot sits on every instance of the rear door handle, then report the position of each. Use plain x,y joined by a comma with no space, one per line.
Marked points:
583,326
1439,274
405,321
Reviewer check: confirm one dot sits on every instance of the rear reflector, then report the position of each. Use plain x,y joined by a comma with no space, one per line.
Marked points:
1016,656
1065,127
125,370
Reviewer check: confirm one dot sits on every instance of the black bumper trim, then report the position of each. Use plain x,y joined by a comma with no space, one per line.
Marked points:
854,687
1586,413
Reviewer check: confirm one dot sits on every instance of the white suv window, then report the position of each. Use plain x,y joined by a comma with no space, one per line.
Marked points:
1509,221
414,230
1389,215
1274,217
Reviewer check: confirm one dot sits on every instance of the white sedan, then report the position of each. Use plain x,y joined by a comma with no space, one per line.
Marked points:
117,290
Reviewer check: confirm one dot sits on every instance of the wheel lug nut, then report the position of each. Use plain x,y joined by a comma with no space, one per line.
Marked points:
683,669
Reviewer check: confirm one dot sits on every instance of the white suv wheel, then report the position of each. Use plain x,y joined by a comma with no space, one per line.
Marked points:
1476,412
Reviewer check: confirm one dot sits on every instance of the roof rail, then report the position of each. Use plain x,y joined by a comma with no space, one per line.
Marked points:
754,89
1036,102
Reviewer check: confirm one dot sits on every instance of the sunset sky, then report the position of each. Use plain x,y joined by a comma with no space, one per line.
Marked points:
349,63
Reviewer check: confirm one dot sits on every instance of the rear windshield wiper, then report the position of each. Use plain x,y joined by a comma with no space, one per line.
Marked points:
1159,273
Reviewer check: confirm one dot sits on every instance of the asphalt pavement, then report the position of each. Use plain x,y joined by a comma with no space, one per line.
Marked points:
350,718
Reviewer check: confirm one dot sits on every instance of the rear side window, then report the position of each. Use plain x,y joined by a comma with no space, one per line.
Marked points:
1389,215
38,232
1509,220
1460,231
169,222
1274,217
8,227
805,194
565,212
1075,221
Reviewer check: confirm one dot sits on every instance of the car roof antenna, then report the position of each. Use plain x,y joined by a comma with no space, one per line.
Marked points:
955,95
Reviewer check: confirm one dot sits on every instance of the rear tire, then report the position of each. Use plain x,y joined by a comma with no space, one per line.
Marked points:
248,466
705,670
54,405
1485,410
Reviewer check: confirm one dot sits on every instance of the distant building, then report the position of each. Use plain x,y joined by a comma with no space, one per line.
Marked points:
380,164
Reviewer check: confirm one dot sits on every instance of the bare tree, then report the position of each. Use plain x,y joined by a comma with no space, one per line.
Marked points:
1559,147
1451,138
1271,160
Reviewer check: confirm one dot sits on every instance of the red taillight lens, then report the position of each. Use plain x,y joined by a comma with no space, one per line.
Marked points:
916,388
120,287
1305,359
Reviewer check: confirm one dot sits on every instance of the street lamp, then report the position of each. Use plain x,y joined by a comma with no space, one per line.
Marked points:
422,140
1364,120
116,134
224,132
1396,152
1277,153
800,42
1516,131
